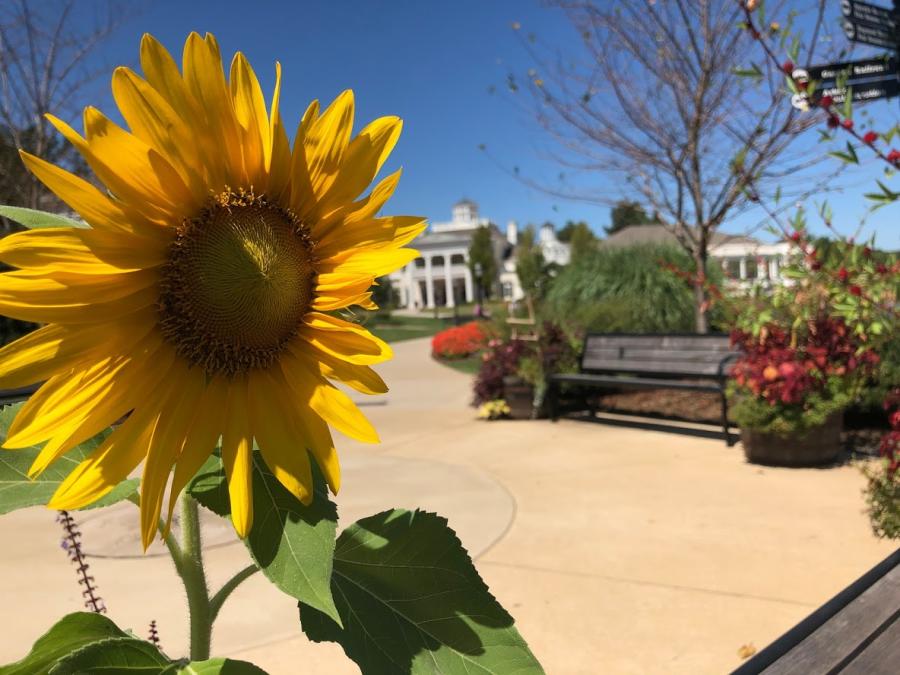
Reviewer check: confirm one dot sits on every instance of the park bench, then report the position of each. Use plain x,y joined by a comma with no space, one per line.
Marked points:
857,632
619,360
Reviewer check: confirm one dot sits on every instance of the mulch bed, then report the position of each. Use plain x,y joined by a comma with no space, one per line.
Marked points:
861,435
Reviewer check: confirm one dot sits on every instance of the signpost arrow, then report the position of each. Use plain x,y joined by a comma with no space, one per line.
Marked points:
854,70
870,35
865,13
869,91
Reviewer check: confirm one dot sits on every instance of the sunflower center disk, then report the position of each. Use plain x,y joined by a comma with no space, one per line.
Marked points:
237,283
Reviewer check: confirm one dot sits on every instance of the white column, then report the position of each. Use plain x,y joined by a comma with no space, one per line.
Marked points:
410,289
448,282
743,268
470,294
429,284
773,269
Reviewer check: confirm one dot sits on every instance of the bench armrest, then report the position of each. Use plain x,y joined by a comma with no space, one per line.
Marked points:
724,362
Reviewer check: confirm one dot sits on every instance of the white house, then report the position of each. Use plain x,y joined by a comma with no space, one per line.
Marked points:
441,276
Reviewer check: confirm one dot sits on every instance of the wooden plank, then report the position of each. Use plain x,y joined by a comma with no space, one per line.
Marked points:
698,342
638,366
826,648
882,655
629,382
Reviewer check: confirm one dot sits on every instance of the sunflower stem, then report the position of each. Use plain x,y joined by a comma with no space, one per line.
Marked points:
227,589
194,577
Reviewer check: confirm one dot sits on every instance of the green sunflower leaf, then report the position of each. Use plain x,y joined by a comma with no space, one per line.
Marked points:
17,491
114,655
67,635
411,601
291,543
37,219
220,667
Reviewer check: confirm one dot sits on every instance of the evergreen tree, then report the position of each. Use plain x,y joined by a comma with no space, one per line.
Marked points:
627,213
481,252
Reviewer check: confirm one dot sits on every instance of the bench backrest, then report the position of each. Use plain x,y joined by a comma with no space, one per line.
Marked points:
656,355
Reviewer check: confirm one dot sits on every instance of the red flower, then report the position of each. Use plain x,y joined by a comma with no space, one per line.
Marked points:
855,290
796,236
843,274
893,156
881,268
816,266
847,123
870,137
826,101
787,67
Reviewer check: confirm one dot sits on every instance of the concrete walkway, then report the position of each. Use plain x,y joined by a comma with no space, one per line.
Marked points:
617,550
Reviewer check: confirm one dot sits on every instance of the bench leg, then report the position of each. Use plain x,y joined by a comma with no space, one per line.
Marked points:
727,435
552,401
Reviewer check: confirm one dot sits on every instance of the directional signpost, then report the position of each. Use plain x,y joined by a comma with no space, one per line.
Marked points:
867,79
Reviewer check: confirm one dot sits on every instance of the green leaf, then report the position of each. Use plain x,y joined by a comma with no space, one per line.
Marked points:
37,219
112,657
753,71
291,543
67,635
221,667
412,602
17,491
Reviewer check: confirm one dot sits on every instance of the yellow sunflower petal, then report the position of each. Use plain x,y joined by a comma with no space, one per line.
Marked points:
132,386
176,413
361,378
111,463
80,251
377,262
237,455
387,232
331,404
253,120
358,211
205,80
303,199
281,445
87,201
155,122
201,439
363,159
55,349
280,166
345,340
326,141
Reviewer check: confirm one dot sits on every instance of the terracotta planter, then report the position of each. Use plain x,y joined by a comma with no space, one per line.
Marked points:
519,396
817,446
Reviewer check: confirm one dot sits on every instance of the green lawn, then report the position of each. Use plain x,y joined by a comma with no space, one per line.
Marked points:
396,328
468,365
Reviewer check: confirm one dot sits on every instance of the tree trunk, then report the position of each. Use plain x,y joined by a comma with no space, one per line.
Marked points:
701,298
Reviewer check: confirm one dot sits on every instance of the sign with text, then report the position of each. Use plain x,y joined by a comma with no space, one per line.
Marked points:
870,35
873,15
860,93
854,70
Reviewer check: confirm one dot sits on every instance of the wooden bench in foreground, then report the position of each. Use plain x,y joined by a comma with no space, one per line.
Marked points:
619,360
857,632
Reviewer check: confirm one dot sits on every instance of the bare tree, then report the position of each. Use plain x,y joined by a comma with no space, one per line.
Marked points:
652,101
47,64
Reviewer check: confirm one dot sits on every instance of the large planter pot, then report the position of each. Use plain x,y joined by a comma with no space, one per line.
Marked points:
820,445
519,396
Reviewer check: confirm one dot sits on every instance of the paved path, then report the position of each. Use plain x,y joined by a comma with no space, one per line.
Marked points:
617,550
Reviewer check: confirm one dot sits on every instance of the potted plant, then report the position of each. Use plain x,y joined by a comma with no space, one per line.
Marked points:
791,387
498,378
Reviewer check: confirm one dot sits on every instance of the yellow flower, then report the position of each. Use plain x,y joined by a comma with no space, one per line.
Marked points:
198,299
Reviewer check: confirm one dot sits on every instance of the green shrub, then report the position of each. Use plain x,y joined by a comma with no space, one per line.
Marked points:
883,501
624,290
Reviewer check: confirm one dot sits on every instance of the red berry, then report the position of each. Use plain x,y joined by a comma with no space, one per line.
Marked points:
855,290
796,236
843,274
826,101
870,137
893,156
787,67
847,123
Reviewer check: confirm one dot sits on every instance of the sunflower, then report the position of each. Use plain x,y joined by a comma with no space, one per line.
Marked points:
200,300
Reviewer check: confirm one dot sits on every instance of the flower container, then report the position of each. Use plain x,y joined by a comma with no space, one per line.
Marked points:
819,445
519,396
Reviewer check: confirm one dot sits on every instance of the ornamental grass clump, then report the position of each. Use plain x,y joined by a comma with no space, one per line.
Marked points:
200,308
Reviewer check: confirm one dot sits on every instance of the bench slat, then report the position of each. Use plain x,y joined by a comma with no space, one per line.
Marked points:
585,379
638,366
682,342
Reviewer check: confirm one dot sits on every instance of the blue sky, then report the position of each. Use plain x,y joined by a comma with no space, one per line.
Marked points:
432,63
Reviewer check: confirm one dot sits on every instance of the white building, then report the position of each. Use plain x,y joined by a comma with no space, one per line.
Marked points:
441,276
